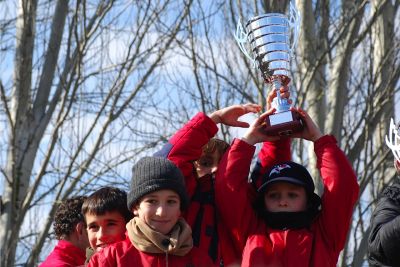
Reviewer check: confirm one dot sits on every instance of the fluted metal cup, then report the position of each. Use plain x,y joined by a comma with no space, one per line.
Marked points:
267,43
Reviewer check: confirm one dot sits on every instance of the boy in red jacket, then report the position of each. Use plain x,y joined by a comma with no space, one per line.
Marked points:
287,228
106,215
157,235
69,228
197,153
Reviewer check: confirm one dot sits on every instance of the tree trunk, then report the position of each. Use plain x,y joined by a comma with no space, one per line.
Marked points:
338,84
19,154
311,68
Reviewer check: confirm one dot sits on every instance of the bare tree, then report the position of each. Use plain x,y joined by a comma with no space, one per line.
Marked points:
82,75
345,74
96,85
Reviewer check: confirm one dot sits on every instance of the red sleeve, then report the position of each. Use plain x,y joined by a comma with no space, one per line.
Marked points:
186,146
270,154
233,204
340,191
98,259
275,152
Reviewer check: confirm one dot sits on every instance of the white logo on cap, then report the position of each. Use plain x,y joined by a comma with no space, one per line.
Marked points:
279,168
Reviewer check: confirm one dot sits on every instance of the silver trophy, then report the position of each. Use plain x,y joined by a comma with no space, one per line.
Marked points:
268,38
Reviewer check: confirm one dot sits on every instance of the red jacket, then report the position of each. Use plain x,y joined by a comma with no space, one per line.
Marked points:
65,254
124,254
208,233
319,245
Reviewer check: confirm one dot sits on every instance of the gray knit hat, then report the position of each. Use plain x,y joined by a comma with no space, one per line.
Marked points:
156,173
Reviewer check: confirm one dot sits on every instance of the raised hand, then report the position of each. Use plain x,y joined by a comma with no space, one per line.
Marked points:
230,115
285,93
255,133
311,131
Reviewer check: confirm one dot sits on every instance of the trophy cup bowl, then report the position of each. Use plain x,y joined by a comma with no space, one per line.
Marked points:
268,36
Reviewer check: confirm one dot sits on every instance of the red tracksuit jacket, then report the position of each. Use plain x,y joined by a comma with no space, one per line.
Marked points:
124,254
318,245
209,235
65,254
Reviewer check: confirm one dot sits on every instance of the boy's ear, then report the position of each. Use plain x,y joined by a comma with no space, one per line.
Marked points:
79,228
135,211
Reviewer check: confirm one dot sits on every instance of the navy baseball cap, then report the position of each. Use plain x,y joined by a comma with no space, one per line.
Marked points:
289,172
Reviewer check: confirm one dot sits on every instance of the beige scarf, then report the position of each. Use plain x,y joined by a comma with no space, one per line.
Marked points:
179,242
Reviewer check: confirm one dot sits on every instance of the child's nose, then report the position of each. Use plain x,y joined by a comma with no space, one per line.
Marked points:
160,210
283,202
214,169
101,234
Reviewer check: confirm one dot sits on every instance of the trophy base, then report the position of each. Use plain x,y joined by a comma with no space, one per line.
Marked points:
283,123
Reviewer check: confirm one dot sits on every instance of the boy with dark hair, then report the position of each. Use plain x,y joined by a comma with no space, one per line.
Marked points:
289,228
157,235
106,215
69,229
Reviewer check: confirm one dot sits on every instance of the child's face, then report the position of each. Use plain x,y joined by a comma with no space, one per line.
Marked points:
207,163
105,229
285,197
160,210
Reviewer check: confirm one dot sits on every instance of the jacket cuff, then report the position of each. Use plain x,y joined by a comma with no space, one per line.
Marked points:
323,141
209,123
239,143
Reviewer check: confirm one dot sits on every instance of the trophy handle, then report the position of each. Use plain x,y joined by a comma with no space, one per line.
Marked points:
241,39
294,22
393,142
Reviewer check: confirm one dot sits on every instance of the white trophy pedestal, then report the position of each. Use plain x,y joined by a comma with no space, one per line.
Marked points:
283,123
